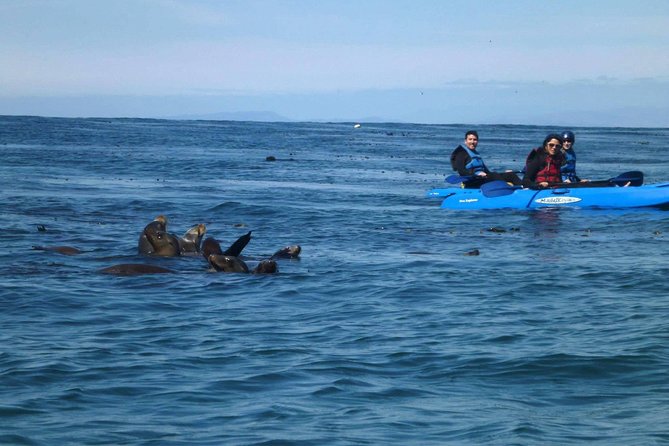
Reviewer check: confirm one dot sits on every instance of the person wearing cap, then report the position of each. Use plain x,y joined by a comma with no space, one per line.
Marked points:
543,164
467,161
569,167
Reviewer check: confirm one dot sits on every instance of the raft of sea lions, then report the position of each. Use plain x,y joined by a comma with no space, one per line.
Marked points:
156,241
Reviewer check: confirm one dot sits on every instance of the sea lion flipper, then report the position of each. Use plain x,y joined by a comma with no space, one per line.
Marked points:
238,246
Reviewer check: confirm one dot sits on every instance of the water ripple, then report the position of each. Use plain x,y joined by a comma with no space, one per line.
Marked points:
384,332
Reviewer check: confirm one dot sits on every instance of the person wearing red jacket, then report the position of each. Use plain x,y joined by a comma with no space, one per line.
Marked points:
543,164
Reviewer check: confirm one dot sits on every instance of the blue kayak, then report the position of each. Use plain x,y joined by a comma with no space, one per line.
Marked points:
499,195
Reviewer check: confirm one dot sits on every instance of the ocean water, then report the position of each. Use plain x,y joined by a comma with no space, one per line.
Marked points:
383,332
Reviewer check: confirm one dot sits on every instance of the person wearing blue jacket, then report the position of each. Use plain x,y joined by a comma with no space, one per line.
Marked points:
467,161
568,169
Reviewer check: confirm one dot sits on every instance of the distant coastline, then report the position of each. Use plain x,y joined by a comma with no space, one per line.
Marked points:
270,117
254,116
639,104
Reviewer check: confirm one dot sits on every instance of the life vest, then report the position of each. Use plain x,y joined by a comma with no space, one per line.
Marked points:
476,164
569,167
551,170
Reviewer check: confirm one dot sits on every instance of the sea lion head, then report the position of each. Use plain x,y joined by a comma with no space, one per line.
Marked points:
161,219
195,233
289,252
162,243
192,239
266,267
158,224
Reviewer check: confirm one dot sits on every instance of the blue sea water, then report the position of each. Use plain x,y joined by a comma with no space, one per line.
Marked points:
383,332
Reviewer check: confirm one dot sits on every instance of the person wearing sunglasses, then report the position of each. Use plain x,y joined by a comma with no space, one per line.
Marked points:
569,167
467,161
543,164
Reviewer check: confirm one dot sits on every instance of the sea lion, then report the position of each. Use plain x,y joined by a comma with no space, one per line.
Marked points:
268,266
289,252
134,269
227,264
65,250
232,264
496,230
158,224
212,246
192,239
156,241
163,244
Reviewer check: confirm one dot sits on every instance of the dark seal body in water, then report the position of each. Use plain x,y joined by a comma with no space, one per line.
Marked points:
65,250
232,264
134,269
227,264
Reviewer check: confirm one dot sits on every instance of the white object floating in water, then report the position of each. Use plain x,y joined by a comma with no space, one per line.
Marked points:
356,126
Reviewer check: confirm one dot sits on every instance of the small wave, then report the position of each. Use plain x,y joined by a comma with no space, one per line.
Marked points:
14,411
17,439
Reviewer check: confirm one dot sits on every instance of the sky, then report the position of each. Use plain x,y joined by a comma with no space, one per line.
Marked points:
588,63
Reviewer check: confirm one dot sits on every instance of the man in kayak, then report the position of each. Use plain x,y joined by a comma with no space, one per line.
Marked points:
543,164
569,167
468,162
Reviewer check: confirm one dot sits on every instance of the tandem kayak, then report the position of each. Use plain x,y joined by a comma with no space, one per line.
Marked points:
499,195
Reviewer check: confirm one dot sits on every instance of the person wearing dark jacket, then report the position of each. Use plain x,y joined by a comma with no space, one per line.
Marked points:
468,162
543,164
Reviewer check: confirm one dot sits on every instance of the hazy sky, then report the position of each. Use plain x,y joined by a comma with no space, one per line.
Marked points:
416,60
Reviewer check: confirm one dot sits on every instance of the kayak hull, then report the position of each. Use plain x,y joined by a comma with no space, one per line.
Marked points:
652,195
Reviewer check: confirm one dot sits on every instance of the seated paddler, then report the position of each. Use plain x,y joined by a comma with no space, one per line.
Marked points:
543,164
569,165
467,161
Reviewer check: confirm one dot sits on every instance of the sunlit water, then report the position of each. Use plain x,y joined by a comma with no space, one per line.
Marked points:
384,332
